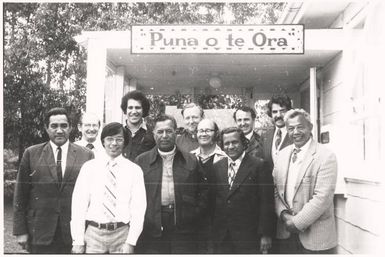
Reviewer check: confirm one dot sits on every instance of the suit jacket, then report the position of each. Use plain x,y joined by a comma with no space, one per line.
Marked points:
191,192
255,147
245,210
39,201
313,196
267,143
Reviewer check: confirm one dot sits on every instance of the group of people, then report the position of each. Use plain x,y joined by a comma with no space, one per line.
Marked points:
148,190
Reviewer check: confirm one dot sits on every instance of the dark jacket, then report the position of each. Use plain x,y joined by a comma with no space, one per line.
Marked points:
186,141
39,201
255,148
247,209
143,141
190,187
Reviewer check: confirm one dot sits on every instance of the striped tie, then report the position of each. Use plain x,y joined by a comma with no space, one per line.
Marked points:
110,189
231,174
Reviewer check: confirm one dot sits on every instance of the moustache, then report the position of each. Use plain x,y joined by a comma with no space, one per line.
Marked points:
278,118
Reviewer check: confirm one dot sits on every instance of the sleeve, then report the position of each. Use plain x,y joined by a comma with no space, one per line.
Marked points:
21,195
322,195
138,205
80,202
267,218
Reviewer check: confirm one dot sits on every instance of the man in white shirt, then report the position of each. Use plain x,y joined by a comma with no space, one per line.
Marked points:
305,177
89,127
109,199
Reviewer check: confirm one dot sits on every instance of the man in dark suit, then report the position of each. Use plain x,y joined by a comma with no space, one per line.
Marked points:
275,139
244,117
243,216
44,185
176,194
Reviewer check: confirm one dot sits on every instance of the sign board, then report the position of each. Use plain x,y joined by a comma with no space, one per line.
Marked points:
217,39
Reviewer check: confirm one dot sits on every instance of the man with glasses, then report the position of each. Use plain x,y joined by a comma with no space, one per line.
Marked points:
109,199
207,154
89,127
176,194
44,185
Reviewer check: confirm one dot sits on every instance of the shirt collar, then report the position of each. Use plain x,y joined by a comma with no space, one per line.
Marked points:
239,160
64,147
164,154
248,136
217,151
305,147
143,125
283,130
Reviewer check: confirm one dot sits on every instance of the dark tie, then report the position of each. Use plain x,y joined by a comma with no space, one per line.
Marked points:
278,138
295,151
90,146
58,165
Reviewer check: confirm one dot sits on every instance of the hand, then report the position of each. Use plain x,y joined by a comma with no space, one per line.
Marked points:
288,220
265,244
22,240
78,249
127,248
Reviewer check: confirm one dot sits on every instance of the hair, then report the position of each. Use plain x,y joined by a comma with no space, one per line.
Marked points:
245,109
191,105
56,111
229,130
88,114
282,100
112,129
164,117
297,112
138,96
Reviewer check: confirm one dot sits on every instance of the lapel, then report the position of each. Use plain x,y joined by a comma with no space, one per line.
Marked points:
71,158
48,158
269,141
180,173
283,166
308,159
253,144
221,176
242,173
286,141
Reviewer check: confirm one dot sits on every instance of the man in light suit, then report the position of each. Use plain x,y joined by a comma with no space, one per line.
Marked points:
305,177
243,217
276,139
44,185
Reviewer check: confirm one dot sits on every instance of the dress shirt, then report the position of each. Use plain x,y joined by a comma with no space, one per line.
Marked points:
218,154
98,147
87,199
248,136
64,151
274,151
167,194
236,165
294,168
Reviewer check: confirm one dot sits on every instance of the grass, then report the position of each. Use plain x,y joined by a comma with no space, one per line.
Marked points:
10,244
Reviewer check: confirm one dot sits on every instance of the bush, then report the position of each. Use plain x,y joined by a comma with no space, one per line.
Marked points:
10,173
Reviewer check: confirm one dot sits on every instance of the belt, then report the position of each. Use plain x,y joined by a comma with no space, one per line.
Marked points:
108,226
168,207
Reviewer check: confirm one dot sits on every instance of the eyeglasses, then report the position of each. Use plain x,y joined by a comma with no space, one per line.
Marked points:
205,131
110,140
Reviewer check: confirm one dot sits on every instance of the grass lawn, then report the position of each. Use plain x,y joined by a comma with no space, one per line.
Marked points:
10,245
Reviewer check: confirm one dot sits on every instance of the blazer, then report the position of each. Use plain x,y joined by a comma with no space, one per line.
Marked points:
313,196
39,201
190,186
267,143
246,210
255,147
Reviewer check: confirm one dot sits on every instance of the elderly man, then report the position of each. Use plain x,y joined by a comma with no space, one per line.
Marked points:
136,106
44,185
89,127
242,220
192,115
207,154
305,177
244,117
109,199
176,194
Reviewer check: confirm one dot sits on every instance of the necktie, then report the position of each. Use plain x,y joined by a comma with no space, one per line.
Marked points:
58,165
231,173
295,151
90,146
278,139
110,189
